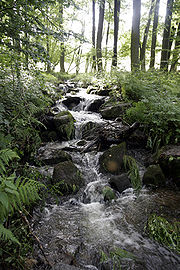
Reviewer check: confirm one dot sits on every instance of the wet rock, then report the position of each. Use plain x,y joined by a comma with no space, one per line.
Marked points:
62,266
154,176
64,123
108,193
103,92
53,156
49,136
90,130
169,161
112,112
71,102
112,159
120,182
95,105
68,177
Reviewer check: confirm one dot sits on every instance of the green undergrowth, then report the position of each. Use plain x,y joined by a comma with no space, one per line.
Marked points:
114,257
155,99
164,232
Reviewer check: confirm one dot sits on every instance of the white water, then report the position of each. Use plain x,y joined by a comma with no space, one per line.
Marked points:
84,226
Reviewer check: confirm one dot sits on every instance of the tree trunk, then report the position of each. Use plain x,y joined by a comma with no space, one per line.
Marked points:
154,34
62,47
172,36
143,48
48,56
176,51
117,5
166,36
107,38
99,35
93,35
135,33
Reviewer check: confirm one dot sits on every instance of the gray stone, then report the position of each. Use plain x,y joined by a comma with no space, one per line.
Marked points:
68,177
154,176
62,266
53,156
120,182
112,112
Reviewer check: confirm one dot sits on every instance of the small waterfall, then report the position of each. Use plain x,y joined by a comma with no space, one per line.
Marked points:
81,227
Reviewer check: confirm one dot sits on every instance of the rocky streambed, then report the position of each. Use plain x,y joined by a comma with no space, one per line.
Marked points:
99,221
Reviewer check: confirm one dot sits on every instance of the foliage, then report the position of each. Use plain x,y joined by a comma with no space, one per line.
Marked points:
116,256
22,102
15,192
133,172
164,232
156,104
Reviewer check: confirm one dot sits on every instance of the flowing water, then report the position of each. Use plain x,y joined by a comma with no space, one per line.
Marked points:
81,227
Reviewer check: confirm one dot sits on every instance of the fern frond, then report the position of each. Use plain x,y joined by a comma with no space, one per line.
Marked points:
6,155
6,234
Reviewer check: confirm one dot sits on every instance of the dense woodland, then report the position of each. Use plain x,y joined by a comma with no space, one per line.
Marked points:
45,43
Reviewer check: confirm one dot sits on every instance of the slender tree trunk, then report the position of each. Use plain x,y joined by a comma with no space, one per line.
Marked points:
154,34
48,55
62,46
99,34
143,48
93,35
135,33
107,38
166,36
176,52
172,35
117,5
77,60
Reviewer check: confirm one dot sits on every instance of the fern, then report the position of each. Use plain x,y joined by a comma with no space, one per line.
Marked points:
6,234
133,171
6,155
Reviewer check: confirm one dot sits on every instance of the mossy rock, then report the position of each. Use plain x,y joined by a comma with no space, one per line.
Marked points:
53,156
154,176
108,194
64,123
112,112
120,182
111,160
68,177
169,160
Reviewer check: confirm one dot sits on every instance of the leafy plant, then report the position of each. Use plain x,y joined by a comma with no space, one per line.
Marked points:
15,193
133,172
116,256
164,232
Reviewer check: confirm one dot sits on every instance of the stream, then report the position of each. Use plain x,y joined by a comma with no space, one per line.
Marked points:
76,232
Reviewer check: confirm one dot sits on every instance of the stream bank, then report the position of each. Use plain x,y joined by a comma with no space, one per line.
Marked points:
84,226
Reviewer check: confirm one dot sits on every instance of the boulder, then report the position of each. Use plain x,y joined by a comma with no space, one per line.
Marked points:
95,105
112,159
108,194
154,176
169,161
90,130
53,156
64,123
112,112
68,177
120,182
71,102
62,266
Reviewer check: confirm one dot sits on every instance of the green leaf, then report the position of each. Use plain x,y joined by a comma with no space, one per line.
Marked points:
4,199
11,191
10,185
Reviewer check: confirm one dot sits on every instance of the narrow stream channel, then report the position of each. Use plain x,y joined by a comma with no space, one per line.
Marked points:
77,231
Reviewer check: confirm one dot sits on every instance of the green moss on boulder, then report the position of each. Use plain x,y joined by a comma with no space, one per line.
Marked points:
64,123
111,160
154,176
68,176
